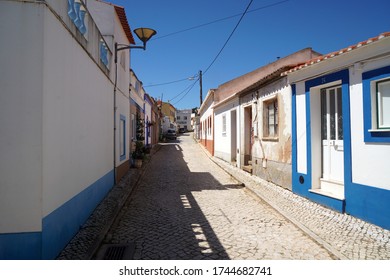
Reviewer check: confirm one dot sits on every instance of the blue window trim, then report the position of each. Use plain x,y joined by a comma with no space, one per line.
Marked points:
122,156
368,77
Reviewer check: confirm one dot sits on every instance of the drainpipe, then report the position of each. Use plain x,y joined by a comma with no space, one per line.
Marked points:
114,136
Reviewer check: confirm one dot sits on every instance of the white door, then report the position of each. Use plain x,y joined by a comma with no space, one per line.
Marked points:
332,137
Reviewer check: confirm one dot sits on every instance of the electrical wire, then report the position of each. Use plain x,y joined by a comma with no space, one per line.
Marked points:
205,24
228,39
193,84
184,90
217,20
167,83
219,53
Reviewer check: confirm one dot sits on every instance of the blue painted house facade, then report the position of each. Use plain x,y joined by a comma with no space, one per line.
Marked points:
341,130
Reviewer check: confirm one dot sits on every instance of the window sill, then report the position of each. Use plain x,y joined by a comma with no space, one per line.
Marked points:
379,130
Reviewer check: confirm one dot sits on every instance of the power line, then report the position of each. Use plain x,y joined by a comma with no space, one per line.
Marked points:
187,91
216,57
230,36
167,83
176,96
217,20
209,23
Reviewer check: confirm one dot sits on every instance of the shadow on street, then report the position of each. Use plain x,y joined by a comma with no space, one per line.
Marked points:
162,217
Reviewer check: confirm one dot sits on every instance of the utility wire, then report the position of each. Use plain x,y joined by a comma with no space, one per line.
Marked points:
218,20
167,83
184,90
230,36
187,91
205,24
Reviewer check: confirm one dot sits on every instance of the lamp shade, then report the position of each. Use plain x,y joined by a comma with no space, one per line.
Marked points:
144,34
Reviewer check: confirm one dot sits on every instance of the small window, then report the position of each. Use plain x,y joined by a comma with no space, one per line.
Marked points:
122,137
383,104
376,105
224,124
178,117
271,118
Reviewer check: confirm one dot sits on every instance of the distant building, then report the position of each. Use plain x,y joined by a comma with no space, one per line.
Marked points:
169,116
206,122
183,119
137,106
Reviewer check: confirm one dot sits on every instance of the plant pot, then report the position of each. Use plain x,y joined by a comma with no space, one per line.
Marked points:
138,163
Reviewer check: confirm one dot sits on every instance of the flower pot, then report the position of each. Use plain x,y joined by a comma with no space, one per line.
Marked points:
138,163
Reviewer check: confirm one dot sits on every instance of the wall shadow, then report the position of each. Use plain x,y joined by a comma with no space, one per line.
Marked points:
163,217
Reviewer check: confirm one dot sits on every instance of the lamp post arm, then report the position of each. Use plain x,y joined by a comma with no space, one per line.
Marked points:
125,47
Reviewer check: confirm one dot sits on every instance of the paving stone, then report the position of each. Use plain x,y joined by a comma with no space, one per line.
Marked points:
189,205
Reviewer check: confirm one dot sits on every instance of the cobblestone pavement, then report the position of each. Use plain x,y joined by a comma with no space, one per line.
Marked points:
345,236
187,207
183,206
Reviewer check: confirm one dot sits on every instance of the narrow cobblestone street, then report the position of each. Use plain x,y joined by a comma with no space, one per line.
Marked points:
187,207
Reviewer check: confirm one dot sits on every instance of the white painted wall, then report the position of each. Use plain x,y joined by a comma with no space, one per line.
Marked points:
369,160
77,118
56,113
223,142
21,75
301,132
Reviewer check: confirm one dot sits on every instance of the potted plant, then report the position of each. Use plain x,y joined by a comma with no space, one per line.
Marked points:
138,154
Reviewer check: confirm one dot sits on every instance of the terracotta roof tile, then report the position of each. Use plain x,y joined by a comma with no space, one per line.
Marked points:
120,11
337,53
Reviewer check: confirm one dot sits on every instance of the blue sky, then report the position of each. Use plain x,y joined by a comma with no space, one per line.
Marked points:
276,28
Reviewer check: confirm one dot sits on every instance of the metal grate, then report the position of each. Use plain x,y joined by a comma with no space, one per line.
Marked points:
116,252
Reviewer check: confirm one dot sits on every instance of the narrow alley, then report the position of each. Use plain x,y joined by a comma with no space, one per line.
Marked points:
187,207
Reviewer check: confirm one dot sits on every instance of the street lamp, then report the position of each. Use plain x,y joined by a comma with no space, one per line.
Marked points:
144,34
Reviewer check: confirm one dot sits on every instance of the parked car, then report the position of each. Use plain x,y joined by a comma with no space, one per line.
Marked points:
171,134
182,130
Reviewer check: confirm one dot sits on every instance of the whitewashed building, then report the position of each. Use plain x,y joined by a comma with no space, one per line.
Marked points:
227,125
341,130
265,127
137,106
59,153
206,122
183,119
253,120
